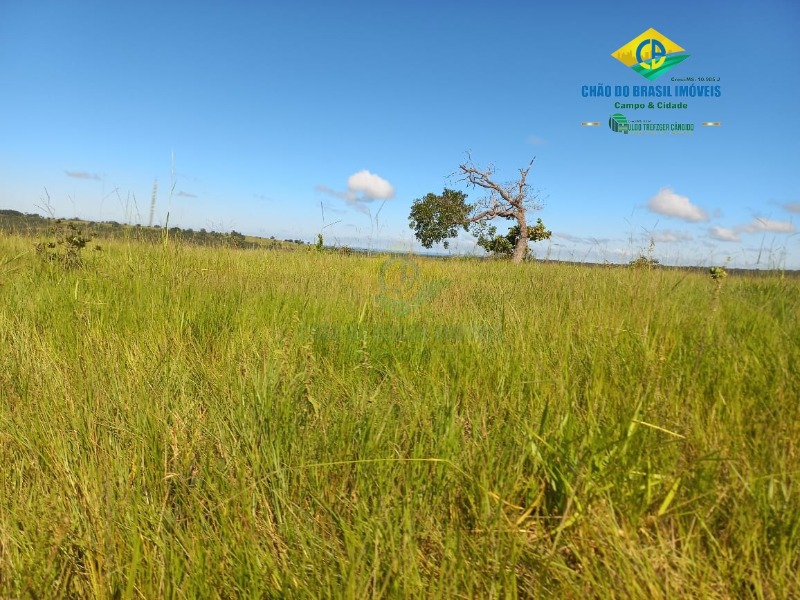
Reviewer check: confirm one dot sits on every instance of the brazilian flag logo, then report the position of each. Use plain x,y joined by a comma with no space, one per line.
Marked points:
650,54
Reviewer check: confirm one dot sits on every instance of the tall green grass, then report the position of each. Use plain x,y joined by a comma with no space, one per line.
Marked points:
187,422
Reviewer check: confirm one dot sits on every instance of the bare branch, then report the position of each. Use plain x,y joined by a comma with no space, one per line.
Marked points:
483,179
491,214
523,174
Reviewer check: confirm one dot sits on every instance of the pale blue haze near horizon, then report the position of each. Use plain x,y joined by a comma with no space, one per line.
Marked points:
269,109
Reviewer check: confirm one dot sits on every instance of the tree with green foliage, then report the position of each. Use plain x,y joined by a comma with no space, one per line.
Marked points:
435,218
236,239
504,245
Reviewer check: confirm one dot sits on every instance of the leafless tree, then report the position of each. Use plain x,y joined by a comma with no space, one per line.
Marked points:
511,200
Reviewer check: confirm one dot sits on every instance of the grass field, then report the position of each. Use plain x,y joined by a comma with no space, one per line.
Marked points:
192,422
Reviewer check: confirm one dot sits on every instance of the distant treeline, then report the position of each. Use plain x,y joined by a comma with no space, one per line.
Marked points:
31,224
34,225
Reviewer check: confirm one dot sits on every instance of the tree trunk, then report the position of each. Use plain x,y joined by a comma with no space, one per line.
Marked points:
521,249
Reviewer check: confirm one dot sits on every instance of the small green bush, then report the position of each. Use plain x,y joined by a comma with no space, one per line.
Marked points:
66,249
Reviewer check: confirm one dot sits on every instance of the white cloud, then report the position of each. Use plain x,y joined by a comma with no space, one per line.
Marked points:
671,236
536,140
369,186
758,225
723,235
362,187
666,202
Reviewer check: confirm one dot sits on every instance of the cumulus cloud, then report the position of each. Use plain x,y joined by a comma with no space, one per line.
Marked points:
792,207
369,186
83,175
758,225
362,187
671,236
723,235
666,202
183,194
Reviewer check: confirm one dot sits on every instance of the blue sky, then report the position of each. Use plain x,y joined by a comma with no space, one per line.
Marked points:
277,111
